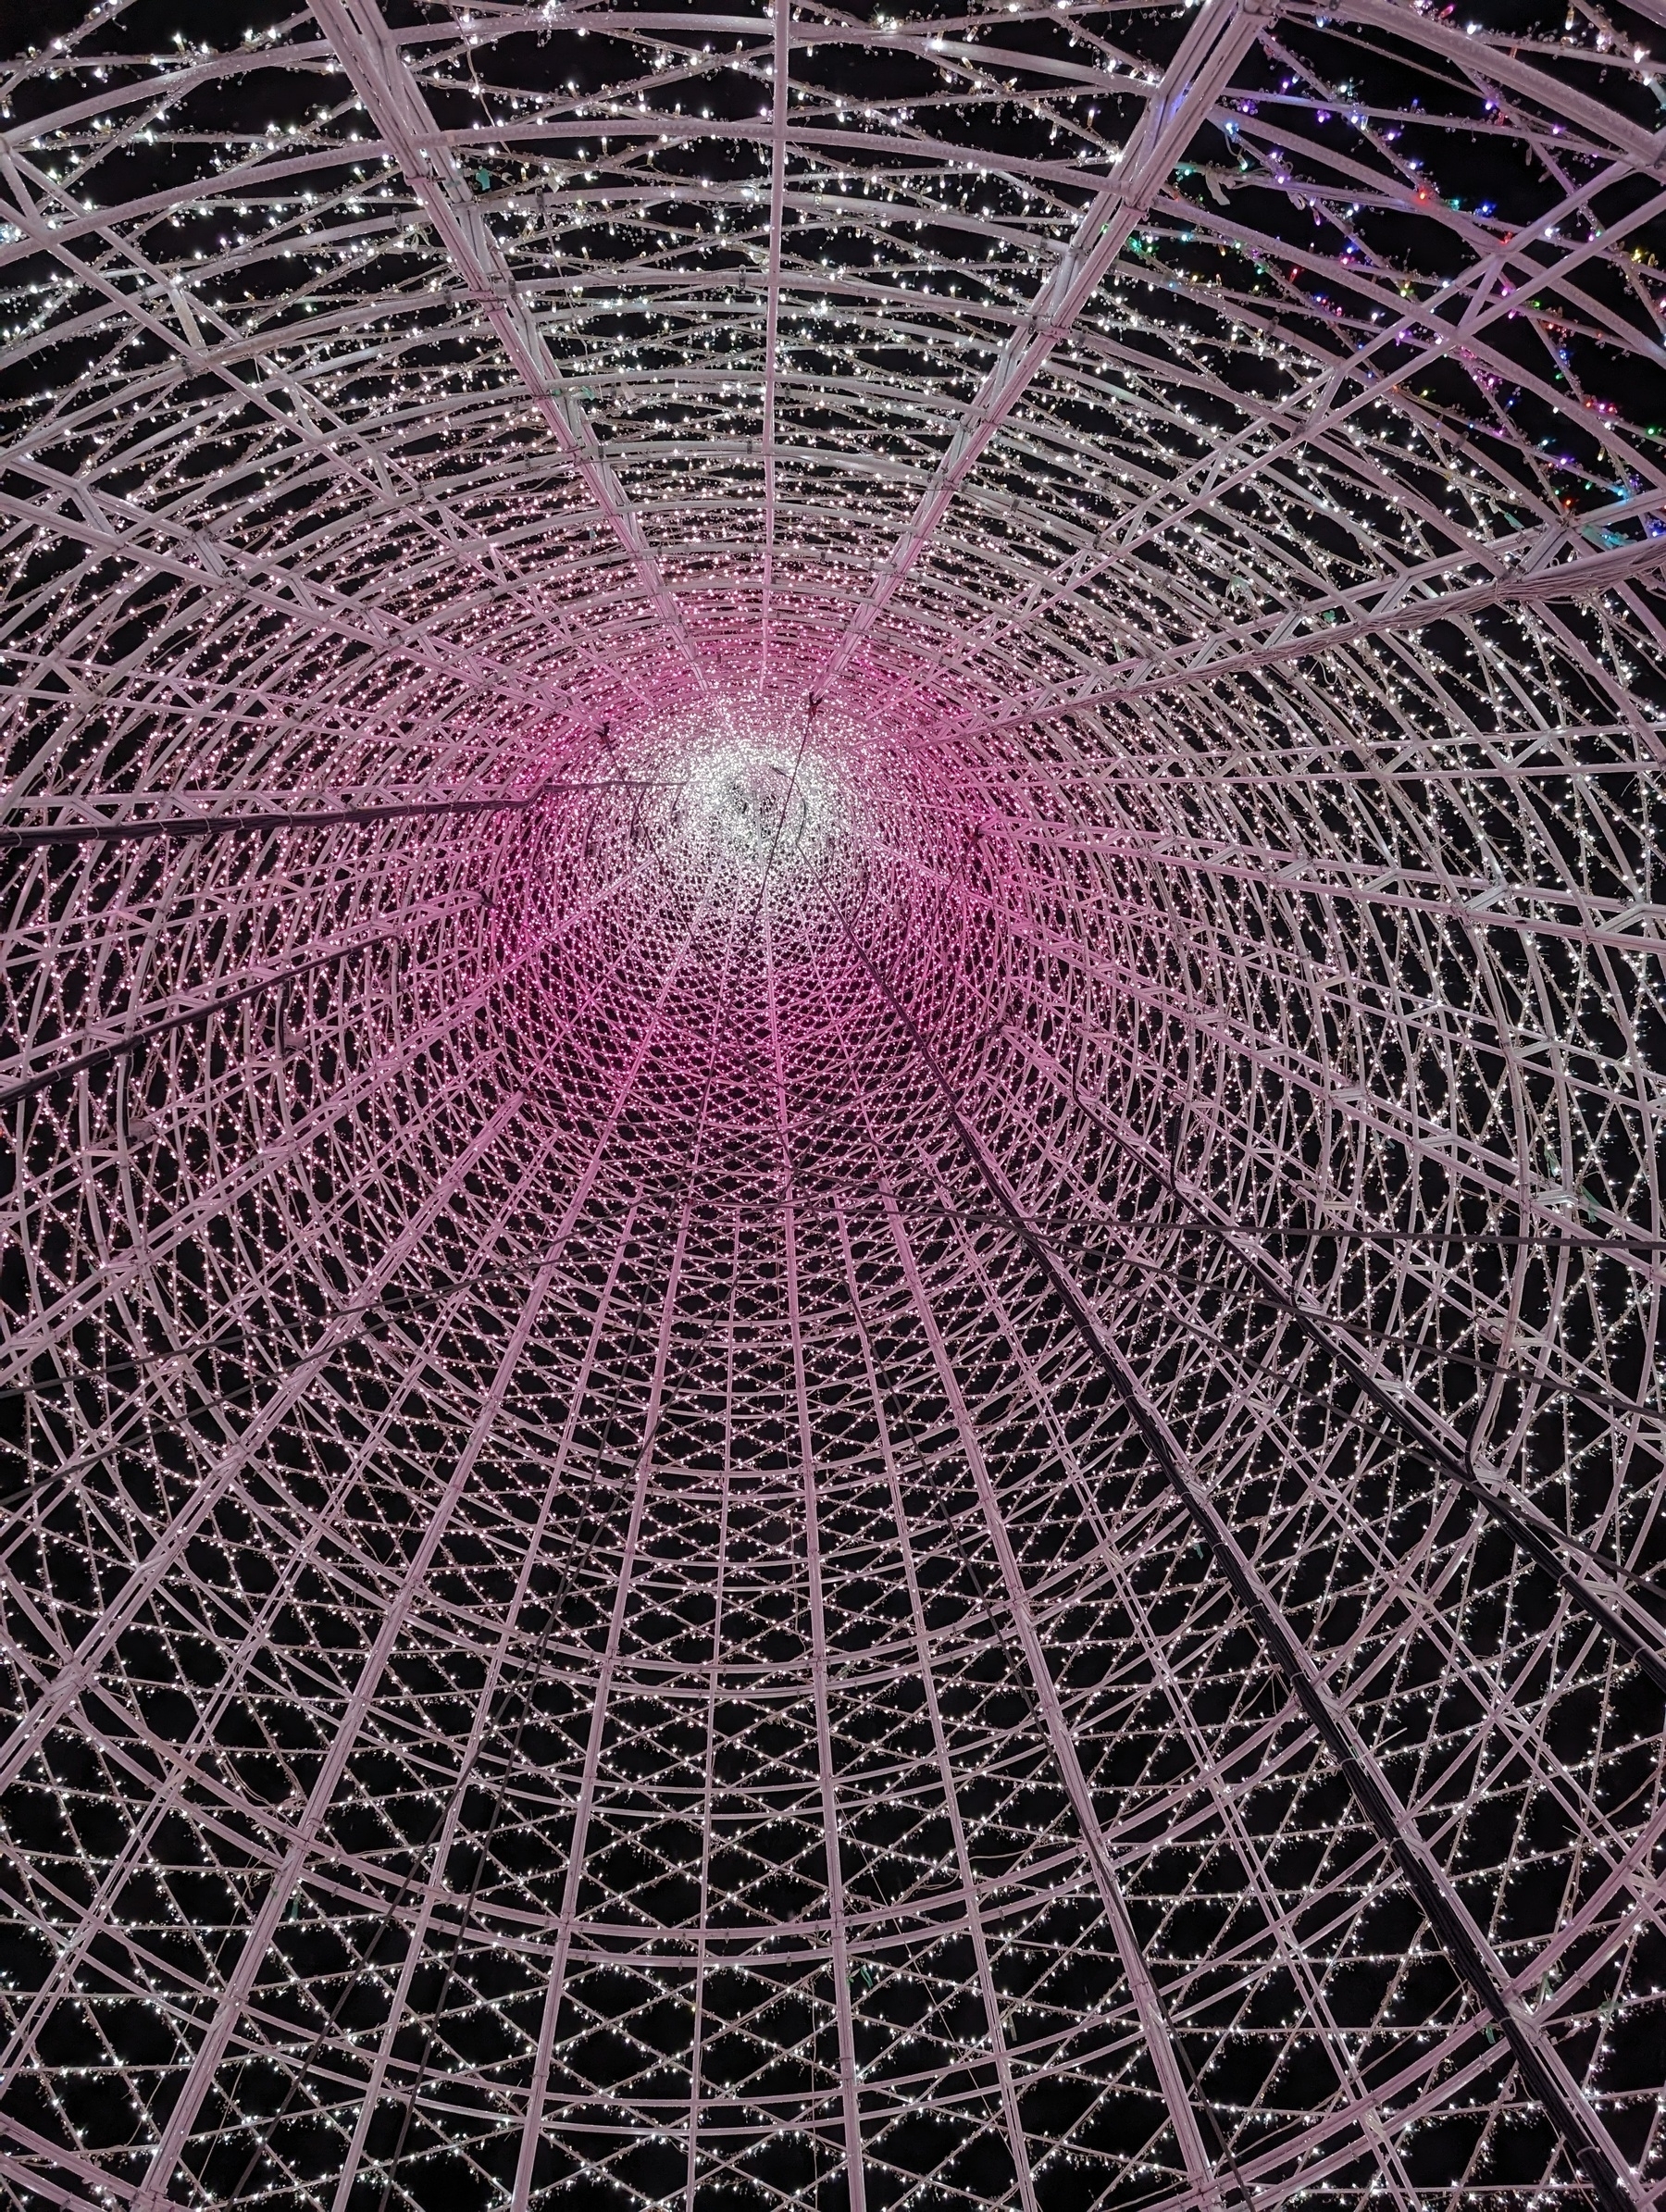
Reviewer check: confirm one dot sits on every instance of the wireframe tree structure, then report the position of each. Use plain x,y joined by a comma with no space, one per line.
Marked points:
835,1052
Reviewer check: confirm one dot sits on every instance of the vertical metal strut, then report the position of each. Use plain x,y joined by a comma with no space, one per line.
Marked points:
526,2165
396,106
1207,1762
1147,1999
239,1984
709,1769
1613,1609
415,1948
987,1992
1581,2126
1217,40
1149,2006
550,2014
781,118
850,2093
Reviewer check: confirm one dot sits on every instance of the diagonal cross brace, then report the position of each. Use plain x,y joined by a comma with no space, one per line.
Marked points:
79,1670
1605,1600
240,1982
1526,569
1613,2182
1218,41
394,104
1149,2006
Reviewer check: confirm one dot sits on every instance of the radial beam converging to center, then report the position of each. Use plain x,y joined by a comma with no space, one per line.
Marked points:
834,1076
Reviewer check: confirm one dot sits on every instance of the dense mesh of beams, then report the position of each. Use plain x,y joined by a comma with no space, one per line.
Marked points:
840,1382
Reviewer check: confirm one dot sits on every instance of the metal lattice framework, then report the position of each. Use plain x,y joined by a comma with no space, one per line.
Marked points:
836,1057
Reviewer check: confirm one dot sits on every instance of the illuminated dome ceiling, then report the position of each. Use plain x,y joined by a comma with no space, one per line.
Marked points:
834,1230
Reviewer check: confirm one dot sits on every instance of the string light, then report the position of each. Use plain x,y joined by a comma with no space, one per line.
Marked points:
593,1612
